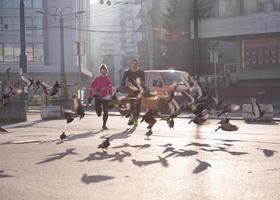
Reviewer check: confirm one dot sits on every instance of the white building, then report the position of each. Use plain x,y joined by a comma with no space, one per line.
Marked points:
43,38
114,37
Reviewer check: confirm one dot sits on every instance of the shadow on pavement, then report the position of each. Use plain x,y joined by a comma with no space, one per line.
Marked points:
224,149
139,147
268,152
122,135
95,179
117,156
262,123
162,161
58,156
202,166
72,137
4,175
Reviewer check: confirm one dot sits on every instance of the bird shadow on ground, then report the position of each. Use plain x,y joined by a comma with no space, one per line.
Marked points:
72,137
202,166
126,145
20,142
23,136
197,144
94,178
268,152
225,149
162,161
58,156
26,124
117,156
4,175
122,135
261,122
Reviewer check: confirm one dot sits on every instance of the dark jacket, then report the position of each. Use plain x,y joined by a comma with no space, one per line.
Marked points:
131,76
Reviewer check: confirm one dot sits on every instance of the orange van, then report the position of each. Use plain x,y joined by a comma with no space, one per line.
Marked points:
162,82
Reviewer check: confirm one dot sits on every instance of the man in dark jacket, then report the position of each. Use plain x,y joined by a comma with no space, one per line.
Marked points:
132,75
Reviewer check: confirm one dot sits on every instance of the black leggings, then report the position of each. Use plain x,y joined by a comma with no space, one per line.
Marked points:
99,106
137,108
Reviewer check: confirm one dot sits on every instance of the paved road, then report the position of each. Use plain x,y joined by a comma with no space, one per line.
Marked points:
188,162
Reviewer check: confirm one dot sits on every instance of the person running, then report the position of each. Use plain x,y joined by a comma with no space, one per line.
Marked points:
131,75
101,90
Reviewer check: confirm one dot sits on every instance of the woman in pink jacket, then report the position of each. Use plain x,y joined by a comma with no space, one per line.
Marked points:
101,90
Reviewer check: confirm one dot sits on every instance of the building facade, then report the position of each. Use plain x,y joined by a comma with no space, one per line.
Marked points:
114,37
42,31
246,36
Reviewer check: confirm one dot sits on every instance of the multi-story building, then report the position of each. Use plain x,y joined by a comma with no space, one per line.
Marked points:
245,34
114,39
43,39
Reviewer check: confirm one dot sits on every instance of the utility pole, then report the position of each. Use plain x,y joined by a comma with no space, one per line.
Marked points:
196,39
22,57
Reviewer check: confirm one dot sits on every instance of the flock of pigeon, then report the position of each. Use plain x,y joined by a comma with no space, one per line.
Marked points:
196,101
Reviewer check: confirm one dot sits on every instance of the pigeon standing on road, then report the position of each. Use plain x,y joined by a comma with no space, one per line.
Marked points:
62,136
105,144
2,130
149,133
226,126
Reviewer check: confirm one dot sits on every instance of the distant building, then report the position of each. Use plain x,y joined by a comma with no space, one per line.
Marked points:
114,39
245,34
43,39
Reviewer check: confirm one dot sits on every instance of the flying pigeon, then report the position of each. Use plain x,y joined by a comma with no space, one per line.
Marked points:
3,130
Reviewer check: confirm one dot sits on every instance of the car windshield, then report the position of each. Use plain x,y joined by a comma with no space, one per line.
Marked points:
171,77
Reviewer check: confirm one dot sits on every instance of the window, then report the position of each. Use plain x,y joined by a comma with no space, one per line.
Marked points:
28,25
249,6
1,52
12,25
11,52
38,53
226,8
15,3
37,3
171,77
276,5
10,3
154,80
1,25
38,25
265,5
29,52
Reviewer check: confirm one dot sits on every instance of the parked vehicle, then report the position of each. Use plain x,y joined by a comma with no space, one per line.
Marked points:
163,81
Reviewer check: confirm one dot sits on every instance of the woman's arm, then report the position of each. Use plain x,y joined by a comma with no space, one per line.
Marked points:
93,86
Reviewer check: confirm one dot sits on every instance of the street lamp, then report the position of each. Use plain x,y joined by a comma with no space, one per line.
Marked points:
59,12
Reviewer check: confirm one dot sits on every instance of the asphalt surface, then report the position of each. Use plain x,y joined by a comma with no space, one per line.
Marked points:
189,162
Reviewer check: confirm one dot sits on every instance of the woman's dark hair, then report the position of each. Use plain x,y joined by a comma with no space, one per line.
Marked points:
103,66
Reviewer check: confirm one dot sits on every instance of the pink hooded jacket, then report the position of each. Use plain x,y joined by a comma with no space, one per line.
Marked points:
102,85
